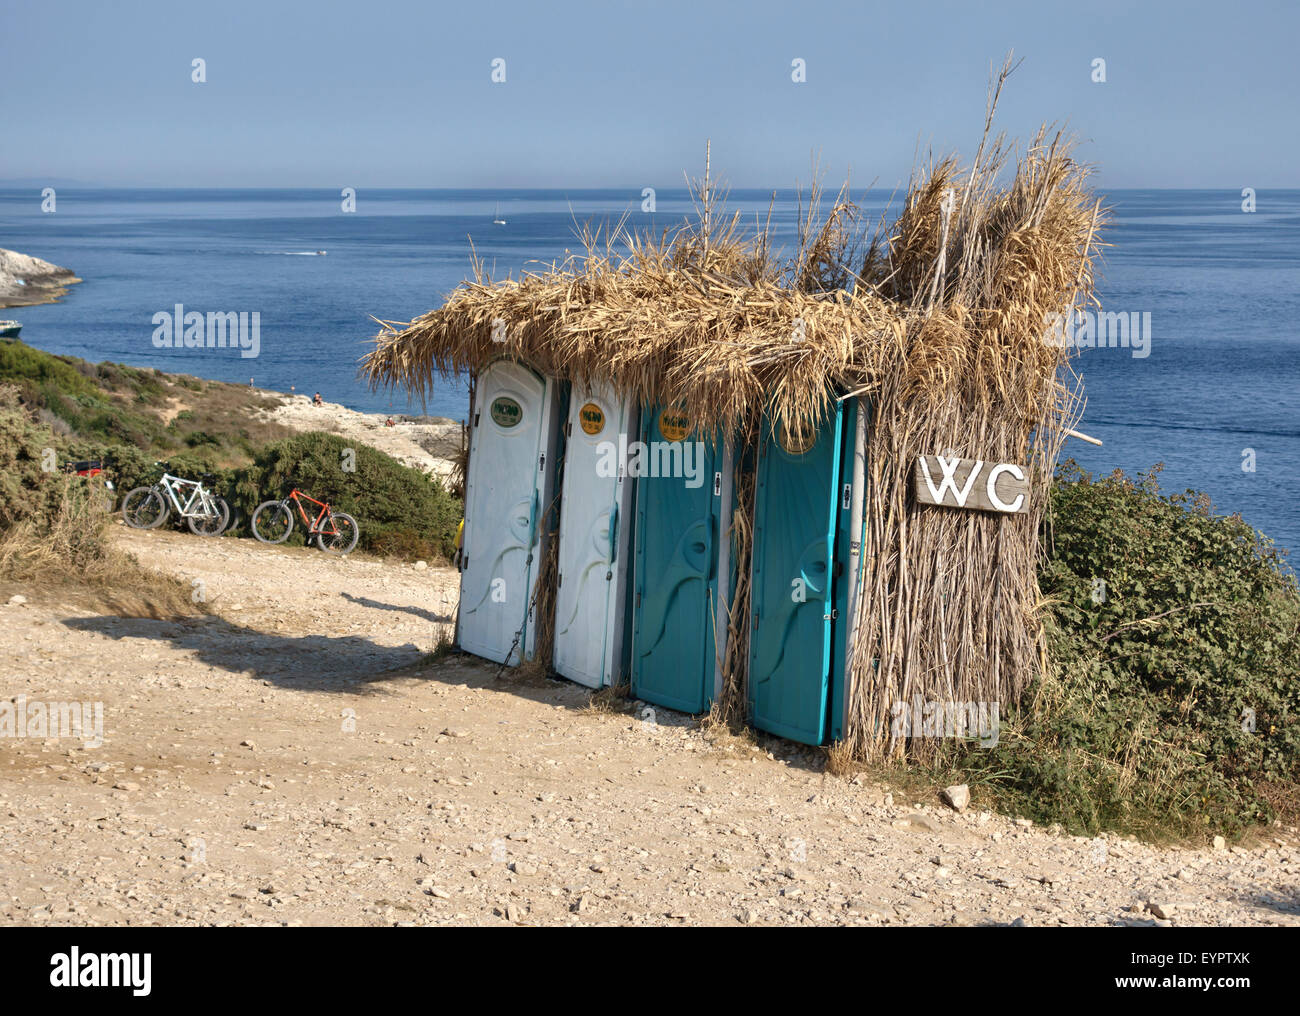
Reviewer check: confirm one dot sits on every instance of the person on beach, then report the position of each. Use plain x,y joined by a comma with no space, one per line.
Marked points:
317,400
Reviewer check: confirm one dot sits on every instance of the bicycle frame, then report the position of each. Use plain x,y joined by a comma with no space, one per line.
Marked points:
192,490
297,497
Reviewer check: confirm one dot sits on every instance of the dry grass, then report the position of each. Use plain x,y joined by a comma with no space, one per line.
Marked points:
69,559
610,700
938,321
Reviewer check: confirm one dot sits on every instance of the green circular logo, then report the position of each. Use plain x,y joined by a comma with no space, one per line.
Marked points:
506,412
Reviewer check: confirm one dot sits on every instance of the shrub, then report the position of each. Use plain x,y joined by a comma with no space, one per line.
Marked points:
400,511
1171,703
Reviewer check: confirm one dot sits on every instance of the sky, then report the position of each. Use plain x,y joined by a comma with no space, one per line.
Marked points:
399,93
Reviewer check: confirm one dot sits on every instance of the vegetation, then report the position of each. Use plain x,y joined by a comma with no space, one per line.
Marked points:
1171,706
53,528
107,406
134,419
401,512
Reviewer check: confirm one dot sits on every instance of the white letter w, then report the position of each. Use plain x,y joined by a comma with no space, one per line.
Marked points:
949,468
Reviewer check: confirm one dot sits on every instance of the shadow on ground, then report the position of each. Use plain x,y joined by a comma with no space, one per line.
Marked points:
427,615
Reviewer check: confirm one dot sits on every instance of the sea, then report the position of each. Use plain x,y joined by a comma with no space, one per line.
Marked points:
1206,382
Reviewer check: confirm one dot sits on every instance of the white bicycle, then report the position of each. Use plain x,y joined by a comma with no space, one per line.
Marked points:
149,507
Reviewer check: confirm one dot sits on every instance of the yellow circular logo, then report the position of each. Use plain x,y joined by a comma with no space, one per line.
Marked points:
591,418
797,441
674,425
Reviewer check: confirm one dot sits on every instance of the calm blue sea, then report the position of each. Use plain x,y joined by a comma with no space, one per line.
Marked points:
1222,288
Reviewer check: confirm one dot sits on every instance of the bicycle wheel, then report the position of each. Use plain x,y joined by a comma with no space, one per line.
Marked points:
213,524
272,522
144,508
342,541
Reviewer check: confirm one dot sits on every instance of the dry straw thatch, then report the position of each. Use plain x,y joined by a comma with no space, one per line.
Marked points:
938,321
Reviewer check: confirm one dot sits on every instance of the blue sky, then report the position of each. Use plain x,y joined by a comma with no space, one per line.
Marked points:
399,94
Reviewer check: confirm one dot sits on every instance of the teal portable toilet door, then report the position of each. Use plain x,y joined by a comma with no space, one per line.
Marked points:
676,534
796,508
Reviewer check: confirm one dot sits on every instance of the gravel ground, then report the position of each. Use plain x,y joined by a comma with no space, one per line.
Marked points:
299,758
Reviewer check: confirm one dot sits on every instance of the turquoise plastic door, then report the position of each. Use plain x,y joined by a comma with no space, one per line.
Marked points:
796,515
676,565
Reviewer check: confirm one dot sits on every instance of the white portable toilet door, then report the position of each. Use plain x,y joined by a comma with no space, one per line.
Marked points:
503,510
595,520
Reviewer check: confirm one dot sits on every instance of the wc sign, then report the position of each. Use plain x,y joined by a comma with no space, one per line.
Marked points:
971,484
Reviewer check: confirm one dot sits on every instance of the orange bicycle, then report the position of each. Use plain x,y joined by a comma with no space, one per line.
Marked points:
335,532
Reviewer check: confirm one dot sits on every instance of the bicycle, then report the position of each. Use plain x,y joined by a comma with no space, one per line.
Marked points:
93,471
149,507
335,532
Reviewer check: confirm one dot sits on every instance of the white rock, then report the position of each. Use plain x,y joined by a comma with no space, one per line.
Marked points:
956,797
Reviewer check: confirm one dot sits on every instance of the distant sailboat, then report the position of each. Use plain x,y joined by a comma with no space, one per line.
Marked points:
497,220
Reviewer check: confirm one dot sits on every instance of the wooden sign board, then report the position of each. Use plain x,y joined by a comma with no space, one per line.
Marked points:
972,484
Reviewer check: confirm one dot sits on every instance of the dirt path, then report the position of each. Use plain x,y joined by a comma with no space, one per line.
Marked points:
299,759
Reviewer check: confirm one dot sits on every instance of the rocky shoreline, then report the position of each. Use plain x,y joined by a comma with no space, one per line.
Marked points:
26,281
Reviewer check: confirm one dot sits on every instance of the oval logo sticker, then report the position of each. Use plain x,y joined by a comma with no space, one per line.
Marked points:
592,419
674,425
797,442
506,412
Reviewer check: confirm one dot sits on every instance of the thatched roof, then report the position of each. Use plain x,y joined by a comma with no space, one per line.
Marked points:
708,318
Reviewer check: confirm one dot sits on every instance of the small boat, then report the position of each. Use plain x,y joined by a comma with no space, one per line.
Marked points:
9,329
496,219
321,252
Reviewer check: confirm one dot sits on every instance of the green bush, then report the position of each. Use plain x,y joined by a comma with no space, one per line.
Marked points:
1172,701
400,511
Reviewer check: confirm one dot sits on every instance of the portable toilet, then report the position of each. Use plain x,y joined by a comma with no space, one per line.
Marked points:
682,562
509,487
595,536
807,549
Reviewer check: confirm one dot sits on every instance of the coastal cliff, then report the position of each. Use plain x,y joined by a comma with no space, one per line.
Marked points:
27,281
